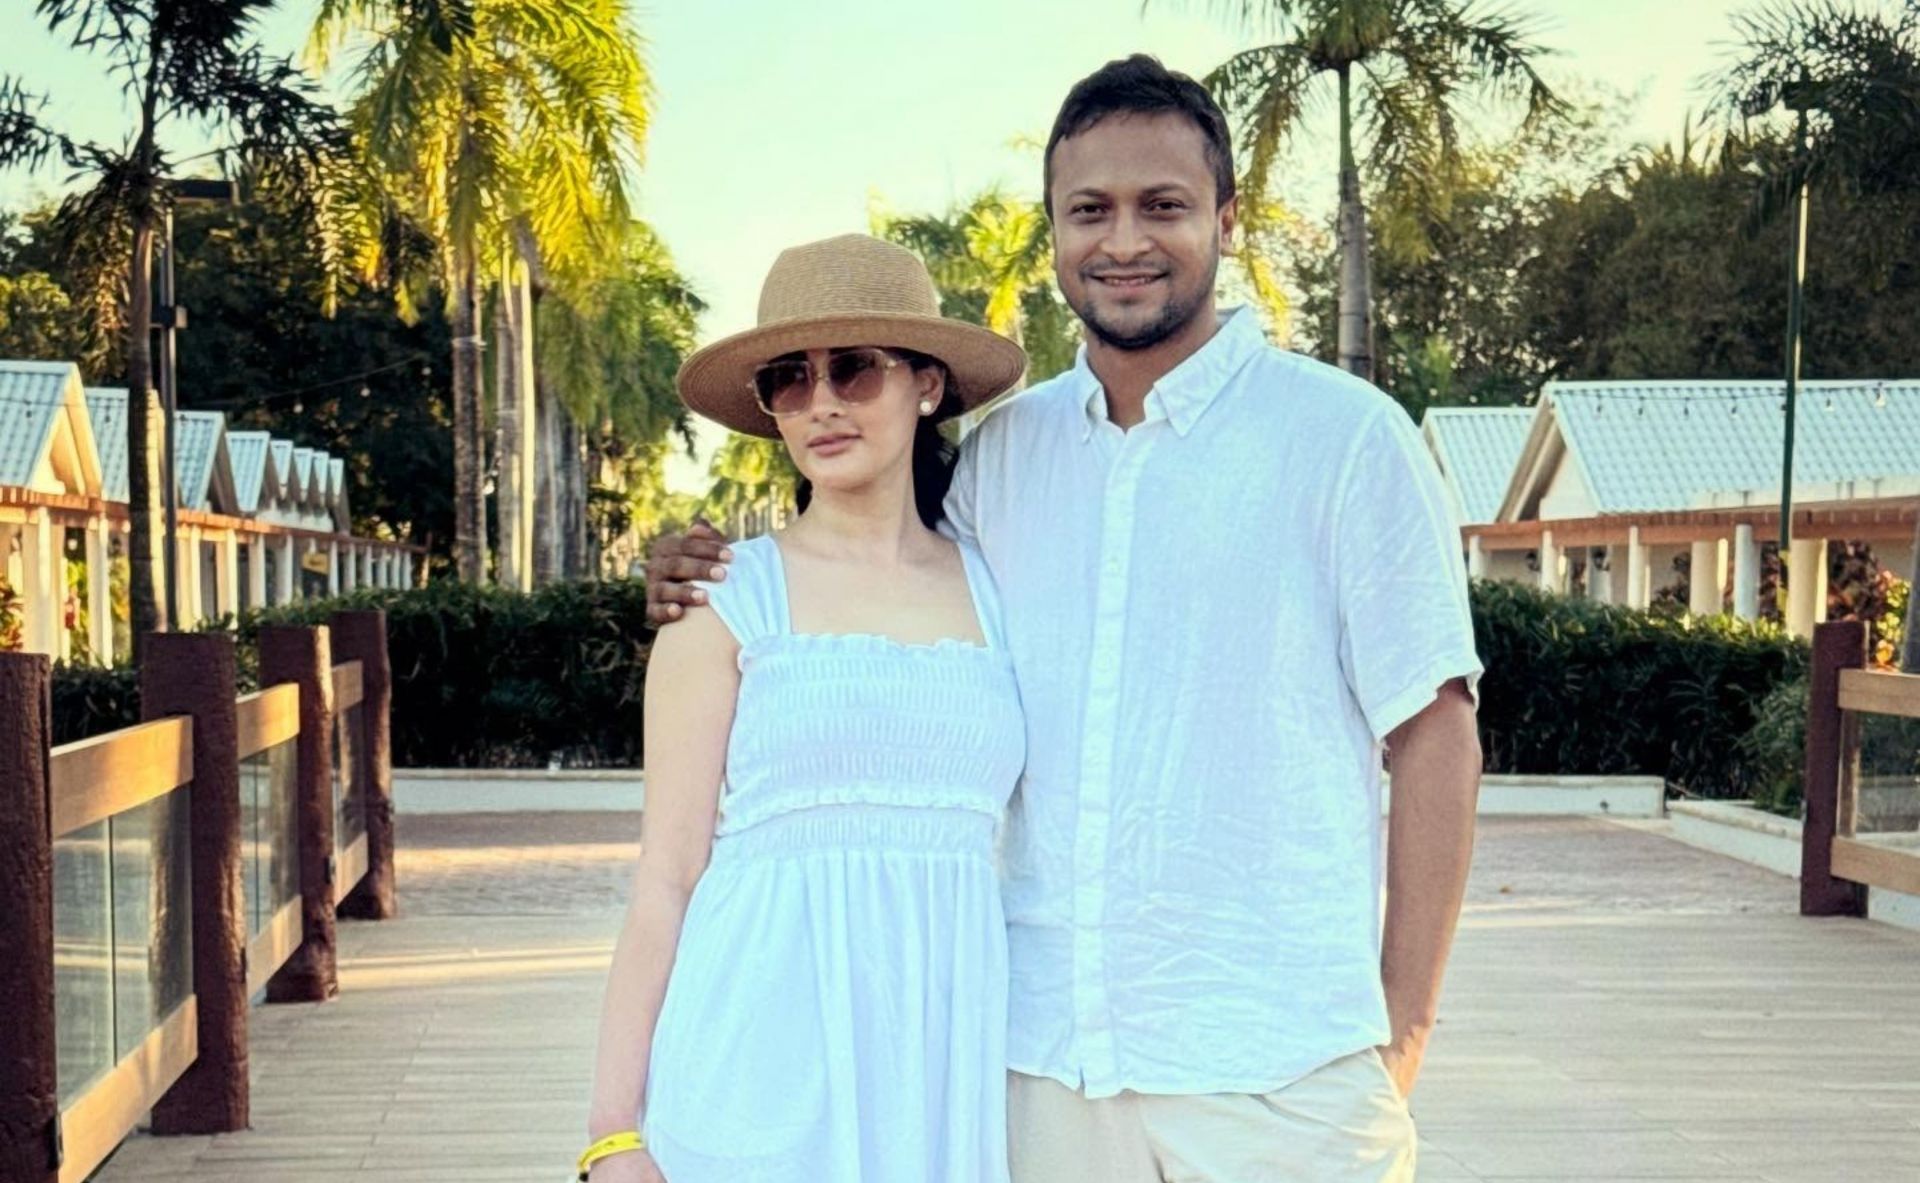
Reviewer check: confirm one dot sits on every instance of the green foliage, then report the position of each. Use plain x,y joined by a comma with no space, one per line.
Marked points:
484,677
750,475
10,622
992,260
1580,688
89,700
1640,271
1776,749
38,321
360,383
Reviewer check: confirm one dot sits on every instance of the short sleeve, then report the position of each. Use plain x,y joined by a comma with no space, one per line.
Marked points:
751,600
1406,624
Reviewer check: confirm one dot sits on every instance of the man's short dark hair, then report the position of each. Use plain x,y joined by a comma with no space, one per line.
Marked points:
1140,85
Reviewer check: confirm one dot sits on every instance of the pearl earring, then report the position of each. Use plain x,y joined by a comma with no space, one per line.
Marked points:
926,406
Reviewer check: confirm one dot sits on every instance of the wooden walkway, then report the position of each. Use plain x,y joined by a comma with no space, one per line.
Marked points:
1621,1007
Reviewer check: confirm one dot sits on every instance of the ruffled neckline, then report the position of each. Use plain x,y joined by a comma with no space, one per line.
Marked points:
877,643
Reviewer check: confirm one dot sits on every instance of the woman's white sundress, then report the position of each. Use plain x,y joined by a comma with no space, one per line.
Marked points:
837,1007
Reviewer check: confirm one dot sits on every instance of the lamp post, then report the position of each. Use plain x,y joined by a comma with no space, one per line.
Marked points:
169,317
1798,98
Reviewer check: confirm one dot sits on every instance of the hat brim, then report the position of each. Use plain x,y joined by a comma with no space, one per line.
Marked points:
717,381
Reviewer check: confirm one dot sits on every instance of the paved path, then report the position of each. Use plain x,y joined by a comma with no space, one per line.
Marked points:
1621,1007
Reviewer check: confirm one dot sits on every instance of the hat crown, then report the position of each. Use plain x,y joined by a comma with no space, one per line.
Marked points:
850,274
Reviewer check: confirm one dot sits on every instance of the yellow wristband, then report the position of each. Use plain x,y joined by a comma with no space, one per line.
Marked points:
610,1145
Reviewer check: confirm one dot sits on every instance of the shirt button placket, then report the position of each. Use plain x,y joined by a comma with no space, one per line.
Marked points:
1092,1031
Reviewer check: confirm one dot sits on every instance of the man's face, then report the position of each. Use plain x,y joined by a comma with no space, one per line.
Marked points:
1136,235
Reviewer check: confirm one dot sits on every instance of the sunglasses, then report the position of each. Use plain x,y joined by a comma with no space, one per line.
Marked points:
784,387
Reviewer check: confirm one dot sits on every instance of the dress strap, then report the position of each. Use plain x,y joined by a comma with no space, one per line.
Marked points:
986,596
752,600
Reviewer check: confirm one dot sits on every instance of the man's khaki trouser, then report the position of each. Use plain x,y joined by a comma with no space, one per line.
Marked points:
1343,1123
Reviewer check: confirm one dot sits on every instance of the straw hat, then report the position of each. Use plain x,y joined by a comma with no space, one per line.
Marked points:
850,290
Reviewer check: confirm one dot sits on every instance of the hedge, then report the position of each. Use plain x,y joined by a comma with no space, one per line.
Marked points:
486,678
489,678
1580,688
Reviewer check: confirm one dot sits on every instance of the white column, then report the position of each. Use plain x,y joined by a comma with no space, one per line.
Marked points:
1549,562
406,568
186,570
333,567
1476,558
1639,578
1806,585
256,572
42,590
1706,574
227,571
100,589
287,577
1746,573
349,567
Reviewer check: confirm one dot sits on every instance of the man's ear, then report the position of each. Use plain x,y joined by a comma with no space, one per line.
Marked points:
1229,222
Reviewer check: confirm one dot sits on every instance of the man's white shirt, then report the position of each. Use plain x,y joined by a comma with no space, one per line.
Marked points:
1215,617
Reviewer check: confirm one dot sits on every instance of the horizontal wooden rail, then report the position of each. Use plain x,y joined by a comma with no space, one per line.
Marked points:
1880,693
347,686
349,867
1886,867
270,948
101,1117
109,774
267,717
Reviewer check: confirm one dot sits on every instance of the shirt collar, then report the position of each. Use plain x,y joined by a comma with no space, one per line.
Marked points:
1185,392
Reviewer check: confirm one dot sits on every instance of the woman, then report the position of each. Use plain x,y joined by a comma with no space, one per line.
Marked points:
811,980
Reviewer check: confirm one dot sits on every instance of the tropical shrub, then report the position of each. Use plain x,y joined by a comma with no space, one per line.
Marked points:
1578,688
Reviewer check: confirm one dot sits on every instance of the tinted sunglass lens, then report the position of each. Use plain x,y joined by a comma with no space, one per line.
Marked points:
785,386
857,375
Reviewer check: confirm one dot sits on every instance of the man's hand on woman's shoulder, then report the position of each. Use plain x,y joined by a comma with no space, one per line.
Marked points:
675,561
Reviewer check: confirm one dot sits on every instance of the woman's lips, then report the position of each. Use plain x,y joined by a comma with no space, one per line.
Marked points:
831,445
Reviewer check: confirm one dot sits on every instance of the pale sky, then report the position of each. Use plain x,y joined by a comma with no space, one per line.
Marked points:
777,123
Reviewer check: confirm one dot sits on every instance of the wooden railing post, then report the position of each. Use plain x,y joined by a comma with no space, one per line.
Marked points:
193,674
29,1086
1840,645
362,636
304,655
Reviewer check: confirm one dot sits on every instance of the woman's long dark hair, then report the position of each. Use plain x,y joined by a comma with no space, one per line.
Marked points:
933,456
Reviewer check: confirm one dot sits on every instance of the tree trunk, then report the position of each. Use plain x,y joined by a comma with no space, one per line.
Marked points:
507,499
147,533
593,473
469,450
1910,629
547,525
1356,276
579,556
513,385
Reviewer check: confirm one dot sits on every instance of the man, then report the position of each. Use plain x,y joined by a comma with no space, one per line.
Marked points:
1230,580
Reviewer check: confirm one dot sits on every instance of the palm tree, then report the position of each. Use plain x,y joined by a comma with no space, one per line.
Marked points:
500,126
989,255
612,337
1400,71
193,62
1849,80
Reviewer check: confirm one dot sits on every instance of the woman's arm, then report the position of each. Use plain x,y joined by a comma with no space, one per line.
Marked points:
692,682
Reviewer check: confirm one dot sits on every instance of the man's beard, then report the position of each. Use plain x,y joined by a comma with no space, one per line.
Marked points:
1176,314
